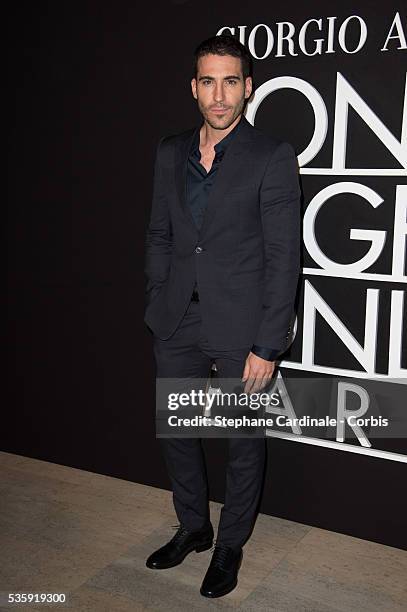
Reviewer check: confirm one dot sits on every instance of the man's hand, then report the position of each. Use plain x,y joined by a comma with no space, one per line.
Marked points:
257,372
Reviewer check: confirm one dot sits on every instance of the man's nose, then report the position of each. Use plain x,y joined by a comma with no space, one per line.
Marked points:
219,93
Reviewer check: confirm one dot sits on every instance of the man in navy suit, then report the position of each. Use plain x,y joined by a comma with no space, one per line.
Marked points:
222,263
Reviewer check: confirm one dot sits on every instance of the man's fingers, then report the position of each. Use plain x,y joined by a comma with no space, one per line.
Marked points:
258,382
266,381
248,385
246,371
255,382
248,388
256,377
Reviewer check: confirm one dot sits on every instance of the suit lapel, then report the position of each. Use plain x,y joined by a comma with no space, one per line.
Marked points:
227,175
181,168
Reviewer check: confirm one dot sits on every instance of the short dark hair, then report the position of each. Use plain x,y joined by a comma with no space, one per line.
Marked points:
224,45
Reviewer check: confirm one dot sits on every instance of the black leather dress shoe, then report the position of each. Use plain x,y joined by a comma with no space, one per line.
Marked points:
174,552
221,577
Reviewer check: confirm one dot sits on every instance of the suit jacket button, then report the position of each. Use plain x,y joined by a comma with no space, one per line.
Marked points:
198,249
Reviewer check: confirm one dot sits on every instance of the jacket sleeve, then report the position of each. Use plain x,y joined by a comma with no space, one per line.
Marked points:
158,246
265,353
280,213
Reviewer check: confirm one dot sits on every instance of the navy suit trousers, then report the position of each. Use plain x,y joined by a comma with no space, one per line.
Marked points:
187,353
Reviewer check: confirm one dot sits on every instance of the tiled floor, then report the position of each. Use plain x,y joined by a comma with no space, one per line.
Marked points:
68,531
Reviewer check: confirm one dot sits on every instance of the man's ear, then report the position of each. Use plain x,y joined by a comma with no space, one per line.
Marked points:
248,86
193,87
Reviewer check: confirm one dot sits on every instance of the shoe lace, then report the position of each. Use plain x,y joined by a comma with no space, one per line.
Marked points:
182,532
220,554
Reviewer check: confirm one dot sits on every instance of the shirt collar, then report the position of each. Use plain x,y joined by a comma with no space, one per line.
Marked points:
221,146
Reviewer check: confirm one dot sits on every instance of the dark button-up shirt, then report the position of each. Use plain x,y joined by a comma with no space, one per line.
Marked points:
199,184
199,181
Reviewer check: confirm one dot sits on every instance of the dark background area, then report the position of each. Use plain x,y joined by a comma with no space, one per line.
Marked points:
92,88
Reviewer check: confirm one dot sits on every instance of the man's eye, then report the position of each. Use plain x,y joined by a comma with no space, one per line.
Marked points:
232,82
207,82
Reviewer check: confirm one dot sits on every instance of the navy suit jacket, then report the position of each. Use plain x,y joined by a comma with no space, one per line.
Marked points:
246,256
